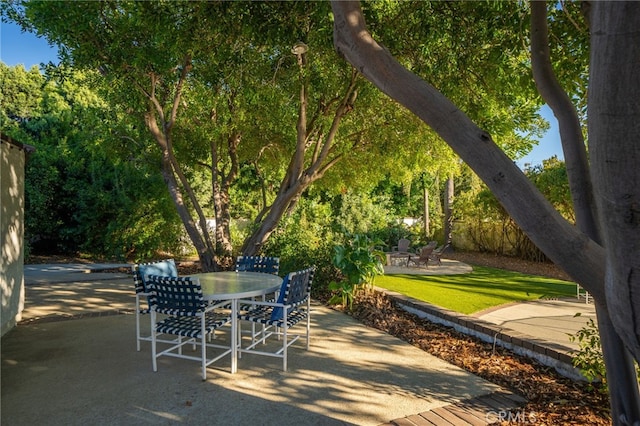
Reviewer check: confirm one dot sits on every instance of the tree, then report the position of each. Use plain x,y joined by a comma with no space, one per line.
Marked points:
146,51
610,275
550,178
195,82
80,179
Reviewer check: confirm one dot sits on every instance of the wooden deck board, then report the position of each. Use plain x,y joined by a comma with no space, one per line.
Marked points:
479,411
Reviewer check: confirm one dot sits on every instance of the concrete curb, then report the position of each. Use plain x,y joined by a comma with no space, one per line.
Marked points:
545,353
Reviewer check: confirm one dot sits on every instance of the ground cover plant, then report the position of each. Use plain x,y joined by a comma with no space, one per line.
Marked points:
484,288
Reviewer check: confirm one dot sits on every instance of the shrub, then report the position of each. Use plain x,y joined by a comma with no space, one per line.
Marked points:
589,357
359,262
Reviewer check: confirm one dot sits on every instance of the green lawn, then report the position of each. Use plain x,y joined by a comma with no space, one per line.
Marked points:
482,289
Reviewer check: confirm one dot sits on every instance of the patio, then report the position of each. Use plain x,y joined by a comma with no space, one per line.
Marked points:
448,267
86,370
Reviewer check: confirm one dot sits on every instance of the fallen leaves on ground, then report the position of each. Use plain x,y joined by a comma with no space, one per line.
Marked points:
553,398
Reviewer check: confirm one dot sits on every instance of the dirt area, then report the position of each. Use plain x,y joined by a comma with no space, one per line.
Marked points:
553,399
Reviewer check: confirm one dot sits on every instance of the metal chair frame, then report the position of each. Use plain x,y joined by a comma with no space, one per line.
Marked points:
142,292
277,317
188,316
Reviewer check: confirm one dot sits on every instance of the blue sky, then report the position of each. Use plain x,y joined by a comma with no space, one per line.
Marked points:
550,144
17,47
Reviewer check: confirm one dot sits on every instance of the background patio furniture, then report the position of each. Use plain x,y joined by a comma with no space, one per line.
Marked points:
402,247
422,258
581,292
401,251
293,305
188,315
166,268
437,253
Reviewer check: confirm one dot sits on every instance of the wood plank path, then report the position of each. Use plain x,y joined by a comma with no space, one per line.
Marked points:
479,411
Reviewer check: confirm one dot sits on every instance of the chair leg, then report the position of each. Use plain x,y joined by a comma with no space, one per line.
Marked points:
239,338
284,340
308,326
153,341
137,323
204,348
285,329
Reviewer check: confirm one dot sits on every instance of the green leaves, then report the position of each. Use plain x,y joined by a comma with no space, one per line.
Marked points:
359,263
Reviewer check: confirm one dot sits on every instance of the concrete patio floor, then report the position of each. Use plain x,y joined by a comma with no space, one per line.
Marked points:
86,370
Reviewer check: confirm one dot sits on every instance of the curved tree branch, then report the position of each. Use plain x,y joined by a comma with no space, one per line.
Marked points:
186,67
573,146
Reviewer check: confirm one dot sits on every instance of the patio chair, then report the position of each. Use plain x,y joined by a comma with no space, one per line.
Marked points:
293,306
188,316
436,255
402,247
268,265
423,257
400,252
264,264
140,273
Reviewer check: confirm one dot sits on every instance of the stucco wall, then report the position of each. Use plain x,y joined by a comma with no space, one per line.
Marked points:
12,161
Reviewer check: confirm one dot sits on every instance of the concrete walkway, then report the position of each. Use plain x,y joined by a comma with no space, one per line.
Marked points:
87,371
549,320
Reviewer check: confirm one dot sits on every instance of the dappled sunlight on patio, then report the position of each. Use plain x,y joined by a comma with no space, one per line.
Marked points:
78,298
354,370
351,375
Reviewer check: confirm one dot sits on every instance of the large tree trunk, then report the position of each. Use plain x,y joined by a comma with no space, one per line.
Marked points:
620,370
619,365
578,254
284,201
160,124
614,144
204,253
220,185
301,173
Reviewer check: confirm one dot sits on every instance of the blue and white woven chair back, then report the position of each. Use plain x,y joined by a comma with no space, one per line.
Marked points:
179,296
137,280
265,264
140,273
143,270
298,287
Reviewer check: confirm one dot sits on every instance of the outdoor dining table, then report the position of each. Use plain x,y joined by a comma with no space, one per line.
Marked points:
234,286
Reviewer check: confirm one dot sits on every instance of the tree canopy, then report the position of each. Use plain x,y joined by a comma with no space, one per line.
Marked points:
220,97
